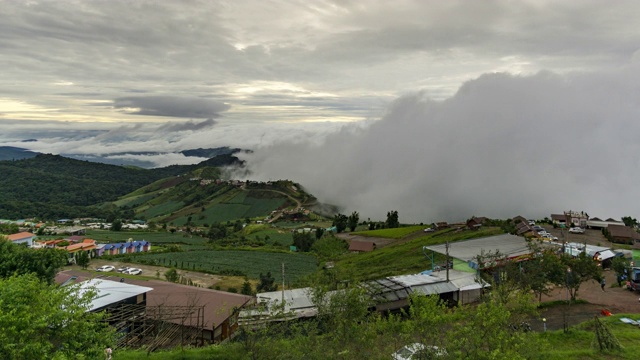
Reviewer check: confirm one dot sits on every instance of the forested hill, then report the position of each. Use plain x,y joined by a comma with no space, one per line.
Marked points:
51,186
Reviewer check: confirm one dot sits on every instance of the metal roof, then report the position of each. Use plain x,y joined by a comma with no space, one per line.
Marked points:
110,292
507,244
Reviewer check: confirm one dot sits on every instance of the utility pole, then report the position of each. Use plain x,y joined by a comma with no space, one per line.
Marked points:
447,263
283,284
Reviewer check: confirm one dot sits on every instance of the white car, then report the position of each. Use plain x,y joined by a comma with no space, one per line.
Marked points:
576,230
429,230
133,271
106,268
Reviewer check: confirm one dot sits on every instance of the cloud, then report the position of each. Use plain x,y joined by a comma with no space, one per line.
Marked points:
187,126
503,145
184,107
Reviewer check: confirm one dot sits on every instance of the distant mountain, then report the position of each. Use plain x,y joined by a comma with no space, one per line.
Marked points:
15,153
129,159
210,153
53,186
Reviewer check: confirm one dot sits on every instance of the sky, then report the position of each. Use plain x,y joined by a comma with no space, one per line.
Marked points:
437,109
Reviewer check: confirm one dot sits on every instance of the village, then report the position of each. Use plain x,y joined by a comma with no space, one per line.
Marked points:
193,314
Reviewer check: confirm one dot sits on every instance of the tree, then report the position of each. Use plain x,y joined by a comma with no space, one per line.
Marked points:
622,267
340,222
629,221
19,260
172,275
303,240
353,220
267,283
116,225
319,233
246,288
217,231
392,220
41,321
578,270
83,259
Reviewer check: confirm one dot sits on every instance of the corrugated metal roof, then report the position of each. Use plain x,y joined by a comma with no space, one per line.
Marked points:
110,292
507,244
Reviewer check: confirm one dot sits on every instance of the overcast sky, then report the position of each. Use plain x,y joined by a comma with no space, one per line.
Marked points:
437,109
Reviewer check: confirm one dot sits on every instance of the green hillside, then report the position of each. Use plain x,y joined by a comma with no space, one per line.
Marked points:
51,186
196,199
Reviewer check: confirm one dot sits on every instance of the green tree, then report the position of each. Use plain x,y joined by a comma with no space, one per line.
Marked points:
578,270
267,283
116,225
303,241
353,220
41,321
172,275
340,222
246,288
392,220
319,233
19,260
629,221
83,259
622,267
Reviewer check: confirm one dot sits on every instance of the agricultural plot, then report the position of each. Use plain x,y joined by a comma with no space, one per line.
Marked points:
249,263
240,206
273,237
164,208
133,201
153,237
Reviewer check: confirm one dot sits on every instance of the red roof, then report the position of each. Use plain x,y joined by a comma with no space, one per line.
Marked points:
20,236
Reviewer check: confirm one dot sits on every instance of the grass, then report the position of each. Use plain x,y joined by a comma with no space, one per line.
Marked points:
404,258
231,351
276,237
577,343
396,233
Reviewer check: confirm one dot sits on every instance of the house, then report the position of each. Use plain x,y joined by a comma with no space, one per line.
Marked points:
113,293
559,219
577,218
220,309
519,218
524,229
475,222
596,223
624,235
361,246
87,245
441,225
22,238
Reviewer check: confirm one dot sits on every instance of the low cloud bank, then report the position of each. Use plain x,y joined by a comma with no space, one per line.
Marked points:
503,145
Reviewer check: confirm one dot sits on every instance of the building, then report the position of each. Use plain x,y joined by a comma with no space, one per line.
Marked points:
475,223
509,246
596,223
623,235
111,294
220,308
22,238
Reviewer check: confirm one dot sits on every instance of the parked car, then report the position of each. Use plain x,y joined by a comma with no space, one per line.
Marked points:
106,268
576,230
123,269
532,222
133,271
429,230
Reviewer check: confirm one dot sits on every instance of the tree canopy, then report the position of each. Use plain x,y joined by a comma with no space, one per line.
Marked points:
20,260
41,321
